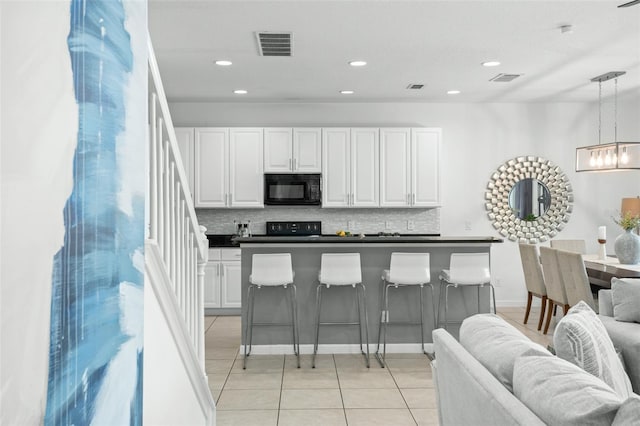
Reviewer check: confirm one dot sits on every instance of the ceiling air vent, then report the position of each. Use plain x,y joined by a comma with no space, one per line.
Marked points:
275,43
505,78
415,86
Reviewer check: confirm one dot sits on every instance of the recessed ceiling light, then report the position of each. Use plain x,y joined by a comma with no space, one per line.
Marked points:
490,64
347,92
453,92
223,63
358,63
240,92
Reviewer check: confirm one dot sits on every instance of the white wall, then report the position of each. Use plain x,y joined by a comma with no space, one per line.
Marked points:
477,138
38,134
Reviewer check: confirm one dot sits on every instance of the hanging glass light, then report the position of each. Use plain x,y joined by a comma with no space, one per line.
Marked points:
609,156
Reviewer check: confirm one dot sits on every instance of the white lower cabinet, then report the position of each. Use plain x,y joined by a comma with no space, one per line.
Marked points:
222,279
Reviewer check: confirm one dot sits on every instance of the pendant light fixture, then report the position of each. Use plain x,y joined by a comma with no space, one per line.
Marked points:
609,156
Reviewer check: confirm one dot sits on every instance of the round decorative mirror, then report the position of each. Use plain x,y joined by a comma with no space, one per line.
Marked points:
529,199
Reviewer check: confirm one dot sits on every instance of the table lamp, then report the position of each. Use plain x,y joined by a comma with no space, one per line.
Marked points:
631,205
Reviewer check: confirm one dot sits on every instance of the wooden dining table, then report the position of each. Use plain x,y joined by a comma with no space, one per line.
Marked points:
600,272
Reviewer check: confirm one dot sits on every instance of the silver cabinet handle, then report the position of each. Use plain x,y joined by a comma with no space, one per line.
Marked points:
414,198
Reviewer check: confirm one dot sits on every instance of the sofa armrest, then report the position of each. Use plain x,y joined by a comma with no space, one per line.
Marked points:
605,303
468,394
626,338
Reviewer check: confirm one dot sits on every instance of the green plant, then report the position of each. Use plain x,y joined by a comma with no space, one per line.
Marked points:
627,221
530,217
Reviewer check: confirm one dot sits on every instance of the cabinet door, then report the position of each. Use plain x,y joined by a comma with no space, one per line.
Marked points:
395,167
211,167
425,162
335,167
365,178
212,284
307,150
184,137
246,176
278,152
230,285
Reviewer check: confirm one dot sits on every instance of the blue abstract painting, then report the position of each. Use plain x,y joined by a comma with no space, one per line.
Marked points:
96,345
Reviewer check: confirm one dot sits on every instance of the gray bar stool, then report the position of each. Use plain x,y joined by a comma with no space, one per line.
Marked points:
466,270
339,270
405,270
271,270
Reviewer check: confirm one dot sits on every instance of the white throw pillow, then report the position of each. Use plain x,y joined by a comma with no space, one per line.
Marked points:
561,393
496,344
625,294
581,339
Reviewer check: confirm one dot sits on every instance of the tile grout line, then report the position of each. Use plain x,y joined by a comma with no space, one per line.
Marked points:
401,394
344,410
284,365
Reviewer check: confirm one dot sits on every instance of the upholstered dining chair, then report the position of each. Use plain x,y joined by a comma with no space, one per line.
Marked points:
556,294
578,246
533,279
575,279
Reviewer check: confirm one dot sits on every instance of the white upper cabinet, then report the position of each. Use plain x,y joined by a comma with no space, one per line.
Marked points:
350,167
336,153
288,150
211,167
307,150
229,167
246,175
278,150
365,158
425,165
410,167
395,167
184,137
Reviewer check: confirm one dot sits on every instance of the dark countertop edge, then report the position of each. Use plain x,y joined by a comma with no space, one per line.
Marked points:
368,240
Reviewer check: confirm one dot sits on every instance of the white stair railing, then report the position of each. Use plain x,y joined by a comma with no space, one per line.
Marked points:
173,225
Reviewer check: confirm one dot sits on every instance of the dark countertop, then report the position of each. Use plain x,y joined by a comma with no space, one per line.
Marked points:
374,239
222,240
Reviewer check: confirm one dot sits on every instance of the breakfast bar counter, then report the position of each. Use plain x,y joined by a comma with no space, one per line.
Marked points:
338,305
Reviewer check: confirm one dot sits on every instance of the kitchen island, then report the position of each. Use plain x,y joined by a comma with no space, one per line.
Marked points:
339,304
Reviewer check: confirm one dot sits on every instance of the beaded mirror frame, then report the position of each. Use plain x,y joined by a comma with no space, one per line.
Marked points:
504,218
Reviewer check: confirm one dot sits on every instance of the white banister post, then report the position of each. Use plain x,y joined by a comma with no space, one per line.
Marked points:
202,262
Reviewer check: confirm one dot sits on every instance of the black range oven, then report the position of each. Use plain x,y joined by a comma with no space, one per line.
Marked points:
292,189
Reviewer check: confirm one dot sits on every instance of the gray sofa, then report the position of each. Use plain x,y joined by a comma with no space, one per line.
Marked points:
470,393
625,337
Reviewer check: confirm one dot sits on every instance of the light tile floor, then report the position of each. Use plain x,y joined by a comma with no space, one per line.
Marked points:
339,391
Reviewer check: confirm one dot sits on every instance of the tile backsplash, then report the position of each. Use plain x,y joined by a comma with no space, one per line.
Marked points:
368,221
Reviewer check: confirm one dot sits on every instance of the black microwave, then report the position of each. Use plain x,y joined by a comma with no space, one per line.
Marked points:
292,189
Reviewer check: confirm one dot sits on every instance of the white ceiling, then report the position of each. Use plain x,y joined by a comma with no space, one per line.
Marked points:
438,43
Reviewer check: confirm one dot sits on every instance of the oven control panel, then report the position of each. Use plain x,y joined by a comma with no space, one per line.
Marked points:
294,228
